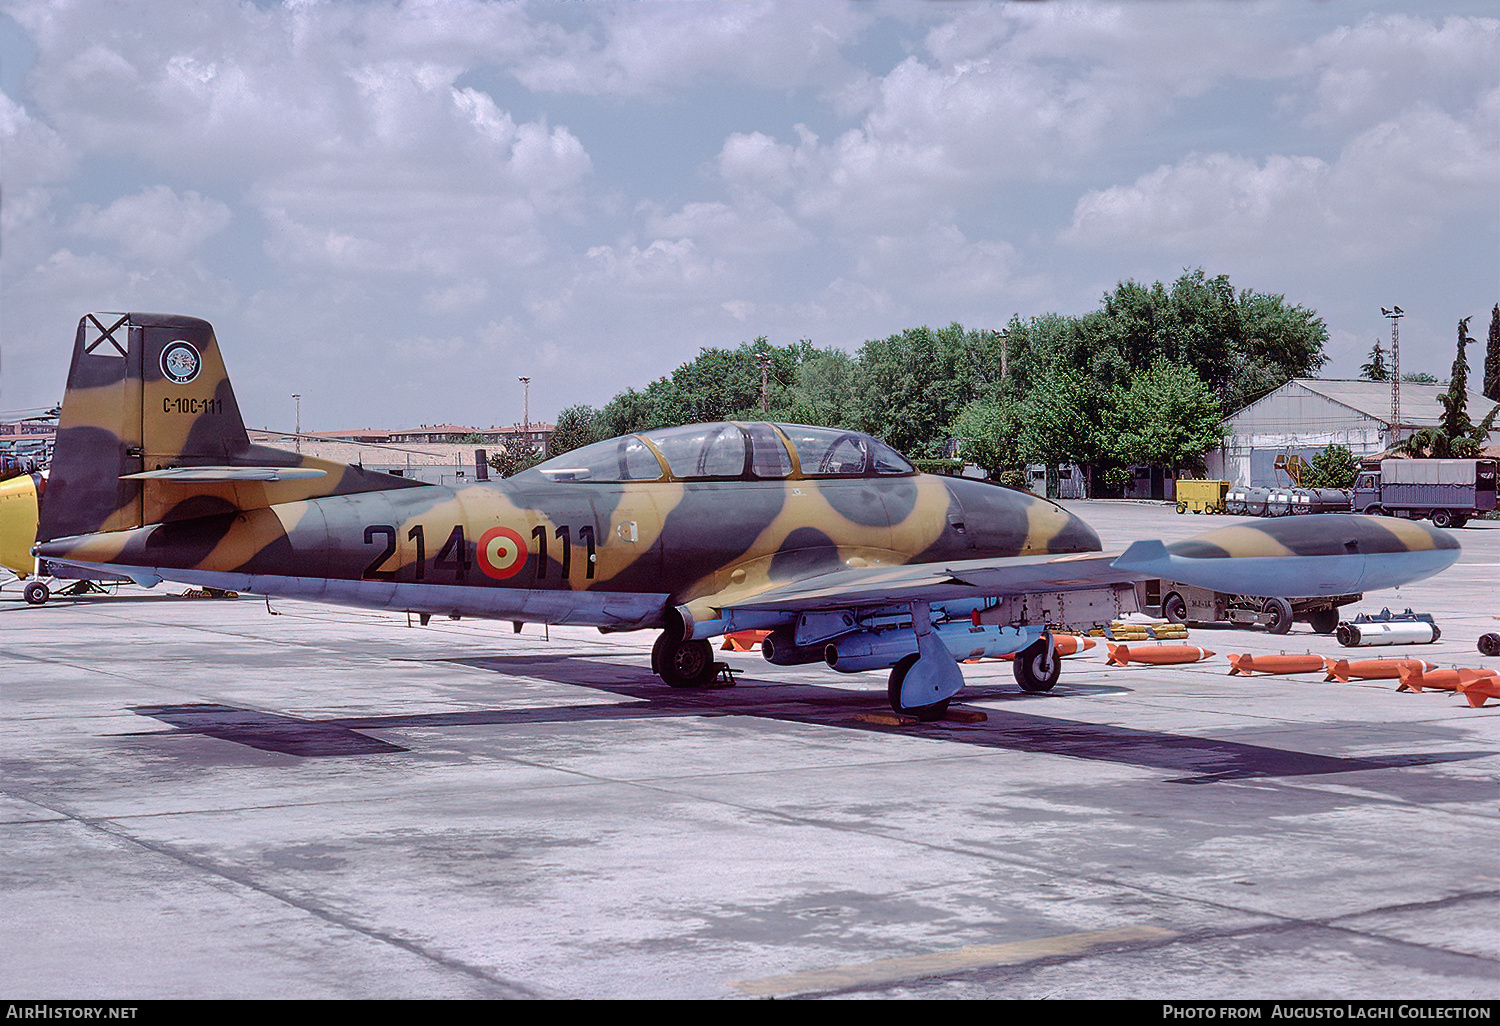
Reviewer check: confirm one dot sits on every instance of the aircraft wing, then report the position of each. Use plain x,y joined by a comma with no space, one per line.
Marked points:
937,582
1303,556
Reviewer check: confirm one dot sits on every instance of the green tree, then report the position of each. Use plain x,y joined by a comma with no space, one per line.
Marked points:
1334,467
988,431
1456,437
1455,401
1376,369
1167,416
1241,344
576,427
909,387
1059,423
822,392
657,405
1492,358
509,461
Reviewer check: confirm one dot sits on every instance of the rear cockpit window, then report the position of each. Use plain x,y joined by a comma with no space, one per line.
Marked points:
768,455
702,450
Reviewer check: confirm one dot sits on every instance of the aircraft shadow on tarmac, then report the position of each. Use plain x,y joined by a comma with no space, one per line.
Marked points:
1196,760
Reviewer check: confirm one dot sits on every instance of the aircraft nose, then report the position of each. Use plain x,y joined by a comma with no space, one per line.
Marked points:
1007,519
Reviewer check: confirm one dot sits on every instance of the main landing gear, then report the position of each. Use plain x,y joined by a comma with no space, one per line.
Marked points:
683,664
925,713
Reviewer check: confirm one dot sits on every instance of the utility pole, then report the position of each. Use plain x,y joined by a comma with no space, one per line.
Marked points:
765,366
1395,314
527,414
298,396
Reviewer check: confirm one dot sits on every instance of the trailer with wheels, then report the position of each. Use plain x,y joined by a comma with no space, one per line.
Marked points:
1184,603
1447,492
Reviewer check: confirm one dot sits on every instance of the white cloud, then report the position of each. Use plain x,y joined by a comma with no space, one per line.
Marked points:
496,180
1383,65
157,225
1393,186
655,49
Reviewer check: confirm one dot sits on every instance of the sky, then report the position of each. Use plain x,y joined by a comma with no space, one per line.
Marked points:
396,210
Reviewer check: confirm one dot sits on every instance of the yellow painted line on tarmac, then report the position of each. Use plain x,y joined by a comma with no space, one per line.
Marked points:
942,963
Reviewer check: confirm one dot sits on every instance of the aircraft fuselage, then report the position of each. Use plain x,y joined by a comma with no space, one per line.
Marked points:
609,554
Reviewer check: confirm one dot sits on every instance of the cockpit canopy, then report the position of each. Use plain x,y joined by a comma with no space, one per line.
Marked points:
727,452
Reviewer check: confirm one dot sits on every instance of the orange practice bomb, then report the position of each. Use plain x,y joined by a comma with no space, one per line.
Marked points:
743,641
1442,680
1066,645
1373,669
1476,691
1158,655
1247,664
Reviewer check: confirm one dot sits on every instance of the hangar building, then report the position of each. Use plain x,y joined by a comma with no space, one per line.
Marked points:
1306,415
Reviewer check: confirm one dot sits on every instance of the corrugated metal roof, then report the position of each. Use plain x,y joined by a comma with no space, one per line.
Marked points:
1419,402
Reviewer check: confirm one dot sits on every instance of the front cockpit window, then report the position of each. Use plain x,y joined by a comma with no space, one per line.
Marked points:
885,460
620,459
830,452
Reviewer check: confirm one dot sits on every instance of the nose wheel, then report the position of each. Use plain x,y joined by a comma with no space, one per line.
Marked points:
1038,666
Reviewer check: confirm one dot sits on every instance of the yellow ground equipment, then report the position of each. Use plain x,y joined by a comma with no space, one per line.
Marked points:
1201,496
18,519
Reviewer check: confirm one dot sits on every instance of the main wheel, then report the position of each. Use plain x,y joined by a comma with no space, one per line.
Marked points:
1280,611
925,713
36,592
682,664
1489,644
1174,609
1037,667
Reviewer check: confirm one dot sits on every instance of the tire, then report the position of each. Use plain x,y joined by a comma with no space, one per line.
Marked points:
1031,671
1182,507
1459,520
1442,518
1489,644
1323,621
682,664
36,593
1174,608
1372,511
924,713
1280,611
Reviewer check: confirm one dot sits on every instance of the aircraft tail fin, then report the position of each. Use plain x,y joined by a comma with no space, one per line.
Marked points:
150,432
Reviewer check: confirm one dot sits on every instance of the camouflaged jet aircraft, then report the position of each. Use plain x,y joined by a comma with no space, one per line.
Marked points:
827,538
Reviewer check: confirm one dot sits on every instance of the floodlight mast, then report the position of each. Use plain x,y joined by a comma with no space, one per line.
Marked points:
1395,313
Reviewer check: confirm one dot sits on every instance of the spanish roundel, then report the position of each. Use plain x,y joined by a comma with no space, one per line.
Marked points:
502,553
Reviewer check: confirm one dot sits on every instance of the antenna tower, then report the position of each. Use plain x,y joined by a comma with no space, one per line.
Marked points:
1395,313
